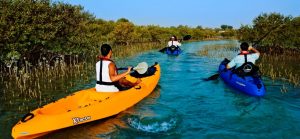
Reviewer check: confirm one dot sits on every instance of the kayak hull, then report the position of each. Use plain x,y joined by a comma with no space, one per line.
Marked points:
248,85
173,52
84,106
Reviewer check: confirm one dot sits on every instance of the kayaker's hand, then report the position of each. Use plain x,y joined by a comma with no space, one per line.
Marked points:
128,70
250,48
138,81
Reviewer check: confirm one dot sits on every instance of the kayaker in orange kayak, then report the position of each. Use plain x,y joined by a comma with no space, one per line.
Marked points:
108,79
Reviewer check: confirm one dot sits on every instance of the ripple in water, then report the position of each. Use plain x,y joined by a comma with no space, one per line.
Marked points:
152,125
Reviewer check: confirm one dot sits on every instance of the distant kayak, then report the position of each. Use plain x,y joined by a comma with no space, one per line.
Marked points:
85,106
247,84
169,51
173,51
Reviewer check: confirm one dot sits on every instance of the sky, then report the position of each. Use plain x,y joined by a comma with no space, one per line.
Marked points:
205,13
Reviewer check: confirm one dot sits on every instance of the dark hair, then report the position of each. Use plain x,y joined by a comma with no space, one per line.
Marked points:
244,46
105,48
175,38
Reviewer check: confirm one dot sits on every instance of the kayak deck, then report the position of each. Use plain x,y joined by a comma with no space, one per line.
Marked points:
248,84
84,106
76,101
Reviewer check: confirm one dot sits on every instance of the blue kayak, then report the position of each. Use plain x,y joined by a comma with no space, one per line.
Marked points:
250,85
173,51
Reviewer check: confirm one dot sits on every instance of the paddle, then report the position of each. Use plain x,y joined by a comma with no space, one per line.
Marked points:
216,76
255,43
185,38
213,77
141,68
163,50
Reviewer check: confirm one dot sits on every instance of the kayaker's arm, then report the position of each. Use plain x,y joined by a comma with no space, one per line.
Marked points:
125,82
114,76
179,44
254,50
231,64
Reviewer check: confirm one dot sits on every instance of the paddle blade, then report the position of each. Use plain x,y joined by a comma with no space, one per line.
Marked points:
187,37
141,68
213,77
163,50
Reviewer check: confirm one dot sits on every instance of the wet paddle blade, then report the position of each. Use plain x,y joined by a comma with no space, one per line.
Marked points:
187,37
163,50
213,77
141,68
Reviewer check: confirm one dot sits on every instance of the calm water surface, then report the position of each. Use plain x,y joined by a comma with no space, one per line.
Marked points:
184,106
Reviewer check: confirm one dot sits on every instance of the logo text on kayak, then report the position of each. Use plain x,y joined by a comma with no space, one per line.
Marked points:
241,84
77,120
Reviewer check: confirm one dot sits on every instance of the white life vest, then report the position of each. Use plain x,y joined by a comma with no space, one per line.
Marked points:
104,83
175,43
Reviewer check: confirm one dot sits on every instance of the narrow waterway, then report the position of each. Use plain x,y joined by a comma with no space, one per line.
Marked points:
185,106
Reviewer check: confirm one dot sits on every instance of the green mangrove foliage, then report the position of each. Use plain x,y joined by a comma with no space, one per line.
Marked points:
272,30
30,29
34,30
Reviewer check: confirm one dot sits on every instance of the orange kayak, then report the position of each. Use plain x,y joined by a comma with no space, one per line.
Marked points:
84,106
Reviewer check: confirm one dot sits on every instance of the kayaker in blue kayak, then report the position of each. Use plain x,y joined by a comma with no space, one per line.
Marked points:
241,73
172,46
174,42
108,79
245,60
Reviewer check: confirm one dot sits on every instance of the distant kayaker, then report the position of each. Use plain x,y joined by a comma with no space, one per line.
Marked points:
172,45
241,58
108,79
173,41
